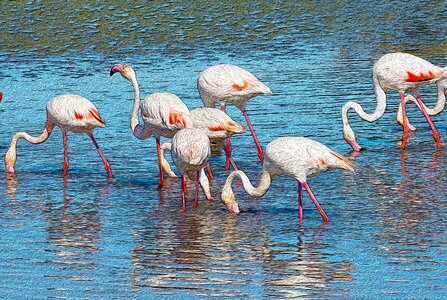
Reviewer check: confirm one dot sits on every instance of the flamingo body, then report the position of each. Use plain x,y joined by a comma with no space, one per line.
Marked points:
164,114
297,157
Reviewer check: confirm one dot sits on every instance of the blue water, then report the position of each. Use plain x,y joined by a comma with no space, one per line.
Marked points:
85,236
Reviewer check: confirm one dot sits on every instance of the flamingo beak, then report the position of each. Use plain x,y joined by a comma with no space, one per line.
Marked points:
233,208
115,69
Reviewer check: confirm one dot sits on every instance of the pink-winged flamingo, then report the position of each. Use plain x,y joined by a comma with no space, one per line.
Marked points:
229,84
163,114
71,113
404,73
190,152
297,157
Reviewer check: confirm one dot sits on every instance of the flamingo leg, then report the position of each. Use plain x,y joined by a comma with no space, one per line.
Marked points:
258,146
229,158
405,121
196,198
210,172
432,126
227,147
65,168
104,160
300,202
317,205
183,192
161,182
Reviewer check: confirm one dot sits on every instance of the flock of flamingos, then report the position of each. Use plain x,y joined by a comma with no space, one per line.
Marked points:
193,132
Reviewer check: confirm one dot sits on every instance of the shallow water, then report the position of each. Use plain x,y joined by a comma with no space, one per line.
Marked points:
84,236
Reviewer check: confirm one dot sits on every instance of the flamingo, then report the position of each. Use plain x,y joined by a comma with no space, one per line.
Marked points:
71,113
1,96
163,114
405,73
229,84
297,157
218,126
190,153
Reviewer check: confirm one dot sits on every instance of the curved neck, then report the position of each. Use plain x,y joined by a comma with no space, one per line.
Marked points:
10,156
259,191
378,112
137,130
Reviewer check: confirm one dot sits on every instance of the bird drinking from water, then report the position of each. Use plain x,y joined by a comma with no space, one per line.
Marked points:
71,113
297,157
404,73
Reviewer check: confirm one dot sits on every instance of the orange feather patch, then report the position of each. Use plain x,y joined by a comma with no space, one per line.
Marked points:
94,114
245,85
421,77
78,116
176,117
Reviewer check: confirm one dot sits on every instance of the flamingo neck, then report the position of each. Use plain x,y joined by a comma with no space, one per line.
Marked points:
10,156
259,191
348,133
137,130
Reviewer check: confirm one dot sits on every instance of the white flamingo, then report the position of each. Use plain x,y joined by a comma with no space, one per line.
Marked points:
228,84
163,114
190,153
404,73
297,157
70,113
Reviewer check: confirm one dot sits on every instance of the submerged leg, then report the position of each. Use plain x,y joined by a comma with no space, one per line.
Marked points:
65,168
161,181
258,146
106,163
183,192
300,202
432,126
405,121
317,205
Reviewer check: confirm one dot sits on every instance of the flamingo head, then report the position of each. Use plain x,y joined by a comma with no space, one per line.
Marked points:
349,137
229,200
125,70
10,161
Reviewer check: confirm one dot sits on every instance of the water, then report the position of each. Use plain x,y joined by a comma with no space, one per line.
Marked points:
84,236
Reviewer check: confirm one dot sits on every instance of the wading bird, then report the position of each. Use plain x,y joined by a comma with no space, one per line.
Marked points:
228,84
404,73
190,153
297,157
71,113
163,114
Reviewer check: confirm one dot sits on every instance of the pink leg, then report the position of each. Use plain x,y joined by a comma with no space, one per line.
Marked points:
106,163
183,192
210,172
432,126
260,153
300,202
405,120
196,198
317,205
161,182
227,147
65,168
229,158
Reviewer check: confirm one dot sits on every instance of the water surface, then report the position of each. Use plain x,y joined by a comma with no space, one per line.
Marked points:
84,236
